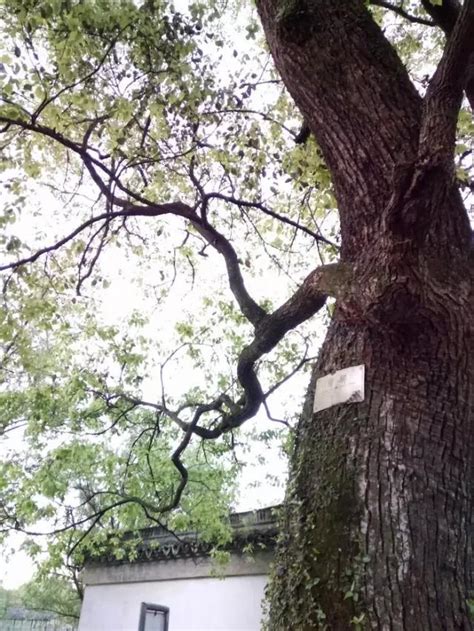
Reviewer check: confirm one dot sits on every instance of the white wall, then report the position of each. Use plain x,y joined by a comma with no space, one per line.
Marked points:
196,604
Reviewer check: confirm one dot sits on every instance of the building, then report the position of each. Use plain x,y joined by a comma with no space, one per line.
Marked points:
172,585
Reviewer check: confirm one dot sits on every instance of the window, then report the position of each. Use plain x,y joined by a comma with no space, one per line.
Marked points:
153,618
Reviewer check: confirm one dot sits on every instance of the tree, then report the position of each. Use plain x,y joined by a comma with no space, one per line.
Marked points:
378,518
41,598
382,491
51,595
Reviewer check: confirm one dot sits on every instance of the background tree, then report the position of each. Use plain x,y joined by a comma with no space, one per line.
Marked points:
42,598
53,595
137,103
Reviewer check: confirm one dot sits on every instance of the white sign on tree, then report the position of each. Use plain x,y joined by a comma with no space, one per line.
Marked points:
343,386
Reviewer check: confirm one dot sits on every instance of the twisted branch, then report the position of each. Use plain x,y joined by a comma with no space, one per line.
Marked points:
269,329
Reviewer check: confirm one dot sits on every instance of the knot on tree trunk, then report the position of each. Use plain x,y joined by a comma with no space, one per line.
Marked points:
406,292
420,189
294,21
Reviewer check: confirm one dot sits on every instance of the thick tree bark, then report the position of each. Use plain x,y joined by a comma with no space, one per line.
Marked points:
378,520
380,503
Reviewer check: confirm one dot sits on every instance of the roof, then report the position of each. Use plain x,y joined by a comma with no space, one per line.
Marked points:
256,529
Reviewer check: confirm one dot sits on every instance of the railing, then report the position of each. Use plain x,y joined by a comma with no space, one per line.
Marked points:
16,624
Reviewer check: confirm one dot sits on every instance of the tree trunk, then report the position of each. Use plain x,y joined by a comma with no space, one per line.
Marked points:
378,521
379,507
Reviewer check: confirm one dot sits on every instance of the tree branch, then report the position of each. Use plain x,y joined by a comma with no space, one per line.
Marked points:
94,165
265,117
305,302
251,310
133,211
444,95
271,213
399,10
445,16
269,328
350,37
48,100
147,208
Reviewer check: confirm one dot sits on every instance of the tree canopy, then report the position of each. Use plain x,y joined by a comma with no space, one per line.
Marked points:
168,228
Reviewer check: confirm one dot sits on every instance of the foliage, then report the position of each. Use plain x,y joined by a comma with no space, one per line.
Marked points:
53,594
8,598
50,596
88,453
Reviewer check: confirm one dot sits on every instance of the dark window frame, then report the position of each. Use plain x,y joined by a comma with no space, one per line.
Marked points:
152,607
